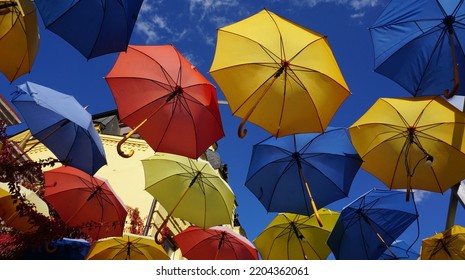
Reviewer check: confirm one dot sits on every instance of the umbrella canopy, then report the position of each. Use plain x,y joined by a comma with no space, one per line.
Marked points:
402,251
93,27
189,189
19,37
62,125
295,172
278,75
412,143
419,45
446,245
296,237
85,201
215,243
127,247
60,249
370,224
8,211
163,97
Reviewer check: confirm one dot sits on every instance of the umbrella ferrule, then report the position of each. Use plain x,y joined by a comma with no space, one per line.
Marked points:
298,234
195,178
220,243
296,157
177,90
97,190
449,22
284,65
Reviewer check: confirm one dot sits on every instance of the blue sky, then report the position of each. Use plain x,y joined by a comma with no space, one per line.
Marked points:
190,25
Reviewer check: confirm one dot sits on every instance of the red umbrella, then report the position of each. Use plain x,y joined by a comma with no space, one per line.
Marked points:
215,243
163,97
85,201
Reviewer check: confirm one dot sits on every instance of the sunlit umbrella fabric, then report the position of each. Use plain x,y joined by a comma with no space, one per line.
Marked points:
296,237
62,125
191,189
215,243
163,97
277,74
19,37
85,201
446,245
126,247
9,214
412,143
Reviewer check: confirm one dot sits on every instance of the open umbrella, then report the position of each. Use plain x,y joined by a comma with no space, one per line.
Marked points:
303,172
126,247
419,45
215,243
166,100
62,125
19,37
60,249
9,214
412,143
446,245
93,27
278,75
85,201
368,226
296,237
189,189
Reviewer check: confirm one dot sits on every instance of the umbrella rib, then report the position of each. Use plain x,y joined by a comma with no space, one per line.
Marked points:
72,3
101,26
318,170
281,45
386,25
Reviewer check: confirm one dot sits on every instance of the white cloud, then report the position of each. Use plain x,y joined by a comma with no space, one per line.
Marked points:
420,195
357,15
154,27
354,4
210,5
148,30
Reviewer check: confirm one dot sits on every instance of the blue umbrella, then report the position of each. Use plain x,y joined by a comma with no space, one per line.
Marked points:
303,172
370,224
418,44
93,27
60,249
62,125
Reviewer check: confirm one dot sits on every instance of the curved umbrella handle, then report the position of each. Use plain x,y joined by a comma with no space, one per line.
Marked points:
157,238
125,138
241,132
120,151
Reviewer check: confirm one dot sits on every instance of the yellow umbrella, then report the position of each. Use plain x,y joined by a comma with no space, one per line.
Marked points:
297,237
412,143
8,211
19,37
189,189
446,245
278,75
126,247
